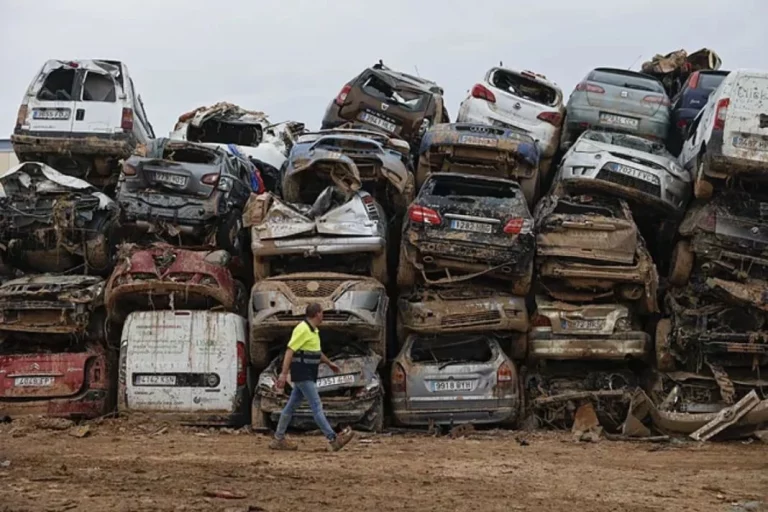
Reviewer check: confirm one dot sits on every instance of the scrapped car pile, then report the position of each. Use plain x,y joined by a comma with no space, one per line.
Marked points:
520,247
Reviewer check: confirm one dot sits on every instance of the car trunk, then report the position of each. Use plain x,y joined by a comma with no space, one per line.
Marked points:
519,97
581,320
624,92
187,170
98,109
746,123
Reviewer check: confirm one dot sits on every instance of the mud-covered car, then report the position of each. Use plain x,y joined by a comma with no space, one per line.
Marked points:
452,379
375,159
352,397
351,304
343,230
594,331
391,101
463,226
627,166
223,123
726,237
491,151
186,190
51,222
588,247
164,276
57,377
53,304
463,308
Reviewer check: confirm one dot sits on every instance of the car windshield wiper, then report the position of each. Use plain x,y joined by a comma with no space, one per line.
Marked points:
449,363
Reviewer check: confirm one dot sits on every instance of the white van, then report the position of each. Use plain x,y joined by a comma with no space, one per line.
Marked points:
188,365
729,136
81,117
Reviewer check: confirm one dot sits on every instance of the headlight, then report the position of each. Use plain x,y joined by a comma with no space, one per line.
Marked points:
361,300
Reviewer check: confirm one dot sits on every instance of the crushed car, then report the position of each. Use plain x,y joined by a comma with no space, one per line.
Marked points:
222,123
674,68
588,248
352,397
484,150
185,192
464,226
344,230
51,222
687,104
450,379
163,276
351,304
376,159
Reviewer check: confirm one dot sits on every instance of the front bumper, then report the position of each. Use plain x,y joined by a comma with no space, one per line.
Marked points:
543,344
338,411
89,404
469,315
317,245
66,143
411,412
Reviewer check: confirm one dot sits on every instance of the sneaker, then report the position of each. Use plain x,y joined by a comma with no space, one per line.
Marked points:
283,444
344,437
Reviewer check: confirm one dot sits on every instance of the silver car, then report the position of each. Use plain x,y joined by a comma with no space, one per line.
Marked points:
617,99
627,166
452,379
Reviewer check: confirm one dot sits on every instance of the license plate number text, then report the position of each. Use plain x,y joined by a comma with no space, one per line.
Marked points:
336,380
477,227
615,120
33,382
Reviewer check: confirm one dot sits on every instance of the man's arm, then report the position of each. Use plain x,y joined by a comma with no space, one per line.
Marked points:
286,368
333,366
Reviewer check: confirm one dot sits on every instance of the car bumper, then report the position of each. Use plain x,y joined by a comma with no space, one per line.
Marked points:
317,245
555,268
118,145
43,317
725,160
338,411
189,216
90,404
543,344
410,412
653,127
470,315
688,423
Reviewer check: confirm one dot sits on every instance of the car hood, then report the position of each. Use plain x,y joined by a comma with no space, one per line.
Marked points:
40,178
567,319
655,162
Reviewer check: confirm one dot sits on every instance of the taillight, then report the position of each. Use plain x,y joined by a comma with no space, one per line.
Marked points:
682,123
552,118
210,179
127,121
398,378
720,113
482,92
586,86
424,215
504,375
129,170
342,96
661,100
21,116
693,82
538,320
242,364
517,225
368,199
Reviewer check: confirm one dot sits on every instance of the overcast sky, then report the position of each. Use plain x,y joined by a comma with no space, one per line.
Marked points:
288,58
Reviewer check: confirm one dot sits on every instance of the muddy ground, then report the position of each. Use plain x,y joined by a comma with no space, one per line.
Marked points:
130,465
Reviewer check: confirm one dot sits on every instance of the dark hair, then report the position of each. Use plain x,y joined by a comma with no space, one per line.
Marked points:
313,310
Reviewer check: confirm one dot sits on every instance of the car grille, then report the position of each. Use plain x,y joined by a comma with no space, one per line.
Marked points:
640,161
301,287
328,316
482,317
629,181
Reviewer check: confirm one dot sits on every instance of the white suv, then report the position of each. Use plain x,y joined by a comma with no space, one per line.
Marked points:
729,136
81,117
518,99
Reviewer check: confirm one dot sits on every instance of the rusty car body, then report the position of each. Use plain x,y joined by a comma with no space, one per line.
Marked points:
352,397
55,378
351,304
163,276
463,226
185,191
448,379
51,222
343,230
493,151
588,247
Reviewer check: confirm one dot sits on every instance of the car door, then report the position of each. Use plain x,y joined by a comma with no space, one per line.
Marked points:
99,105
692,142
745,132
50,99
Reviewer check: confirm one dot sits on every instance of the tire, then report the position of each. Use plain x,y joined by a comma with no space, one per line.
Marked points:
378,269
702,187
259,419
100,250
377,422
665,361
261,268
531,188
522,285
565,139
406,273
259,354
229,233
681,263
545,169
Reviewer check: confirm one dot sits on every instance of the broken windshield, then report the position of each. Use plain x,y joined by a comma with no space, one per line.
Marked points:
628,141
523,87
58,85
444,185
406,98
98,87
450,349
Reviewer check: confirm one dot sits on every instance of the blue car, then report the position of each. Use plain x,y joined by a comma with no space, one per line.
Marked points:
689,101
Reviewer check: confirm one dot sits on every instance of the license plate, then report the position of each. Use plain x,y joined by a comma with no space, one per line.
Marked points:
477,227
33,382
451,385
173,179
155,380
477,141
336,380
583,325
752,143
635,173
60,114
614,120
377,121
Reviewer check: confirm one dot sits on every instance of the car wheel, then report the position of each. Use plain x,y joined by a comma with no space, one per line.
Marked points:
379,267
377,411
259,354
702,188
565,138
545,169
100,247
229,233
531,188
406,273
259,419
665,361
261,268
681,264
522,285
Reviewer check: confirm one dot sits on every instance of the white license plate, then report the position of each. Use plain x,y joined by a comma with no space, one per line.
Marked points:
477,227
33,382
583,325
451,385
155,380
477,141
751,143
336,380
377,121
60,114
635,173
173,179
614,120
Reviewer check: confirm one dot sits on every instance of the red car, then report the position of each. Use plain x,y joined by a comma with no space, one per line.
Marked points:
59,382
162,276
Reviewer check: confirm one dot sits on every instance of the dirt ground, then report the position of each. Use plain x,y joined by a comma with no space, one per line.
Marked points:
130,465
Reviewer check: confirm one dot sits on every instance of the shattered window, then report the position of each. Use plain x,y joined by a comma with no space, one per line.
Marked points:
448,186
626,79
525,88
189,154
589,205
406,98
470,349
628,141
58,85
98,87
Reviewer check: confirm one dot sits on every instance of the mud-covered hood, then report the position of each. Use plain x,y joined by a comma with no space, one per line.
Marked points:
503,140
583,320
656,163
344,173
226,112
67,288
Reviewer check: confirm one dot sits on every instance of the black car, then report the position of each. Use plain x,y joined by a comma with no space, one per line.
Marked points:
689,101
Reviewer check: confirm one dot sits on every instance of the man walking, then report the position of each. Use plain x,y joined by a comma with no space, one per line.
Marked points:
302,358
